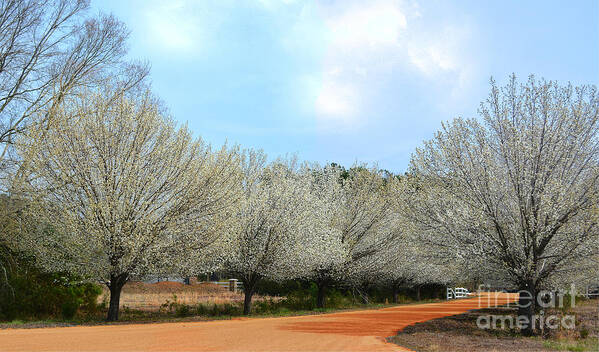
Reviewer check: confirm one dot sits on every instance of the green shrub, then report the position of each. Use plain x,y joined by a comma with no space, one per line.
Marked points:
173,306
202,309
337,299
214,310
584,333
183,310
34,294
300,299
268,306
69,309
231,309
89,297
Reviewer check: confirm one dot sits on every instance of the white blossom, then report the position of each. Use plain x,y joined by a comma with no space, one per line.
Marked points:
512,194
123,189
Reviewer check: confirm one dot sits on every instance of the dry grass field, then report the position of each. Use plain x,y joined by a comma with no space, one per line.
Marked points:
150,297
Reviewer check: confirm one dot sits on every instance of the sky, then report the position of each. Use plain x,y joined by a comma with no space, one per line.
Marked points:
348,81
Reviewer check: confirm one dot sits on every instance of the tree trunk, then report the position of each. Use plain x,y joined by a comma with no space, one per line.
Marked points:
365,298
249,287
526,306
395,294
115,286
321,297
418,293
247,301
364,294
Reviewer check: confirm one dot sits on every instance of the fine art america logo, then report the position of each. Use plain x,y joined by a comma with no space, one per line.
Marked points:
544,300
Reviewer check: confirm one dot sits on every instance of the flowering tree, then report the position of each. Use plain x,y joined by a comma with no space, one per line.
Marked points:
356,220
273,214
514,191
370,222
325,254
402,264
410,264
48,50
124,188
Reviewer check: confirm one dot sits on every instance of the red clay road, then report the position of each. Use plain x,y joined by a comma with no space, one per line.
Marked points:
346,331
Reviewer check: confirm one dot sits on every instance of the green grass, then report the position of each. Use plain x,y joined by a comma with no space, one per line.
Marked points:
588,344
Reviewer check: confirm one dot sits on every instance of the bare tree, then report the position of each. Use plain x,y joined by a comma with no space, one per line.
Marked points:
125,189
514,192
47,51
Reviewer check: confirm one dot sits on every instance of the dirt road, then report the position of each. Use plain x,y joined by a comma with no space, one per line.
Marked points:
346,331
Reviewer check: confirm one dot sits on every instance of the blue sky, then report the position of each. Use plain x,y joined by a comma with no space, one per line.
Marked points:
347,81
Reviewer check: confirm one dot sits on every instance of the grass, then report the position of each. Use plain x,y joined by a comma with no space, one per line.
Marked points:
175,302
268,307
151,297
588,344
174,311
131,316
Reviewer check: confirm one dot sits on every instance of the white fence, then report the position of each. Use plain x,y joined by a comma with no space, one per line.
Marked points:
457,292
231,285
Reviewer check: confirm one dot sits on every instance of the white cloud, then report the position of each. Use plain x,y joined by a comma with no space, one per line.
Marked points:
369,41
337,101
436,53
347,48
273,5
172,25
365,43
356,37
374,24
429,59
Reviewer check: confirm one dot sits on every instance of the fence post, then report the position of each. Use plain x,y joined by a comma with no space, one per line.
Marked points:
233,285
450,293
